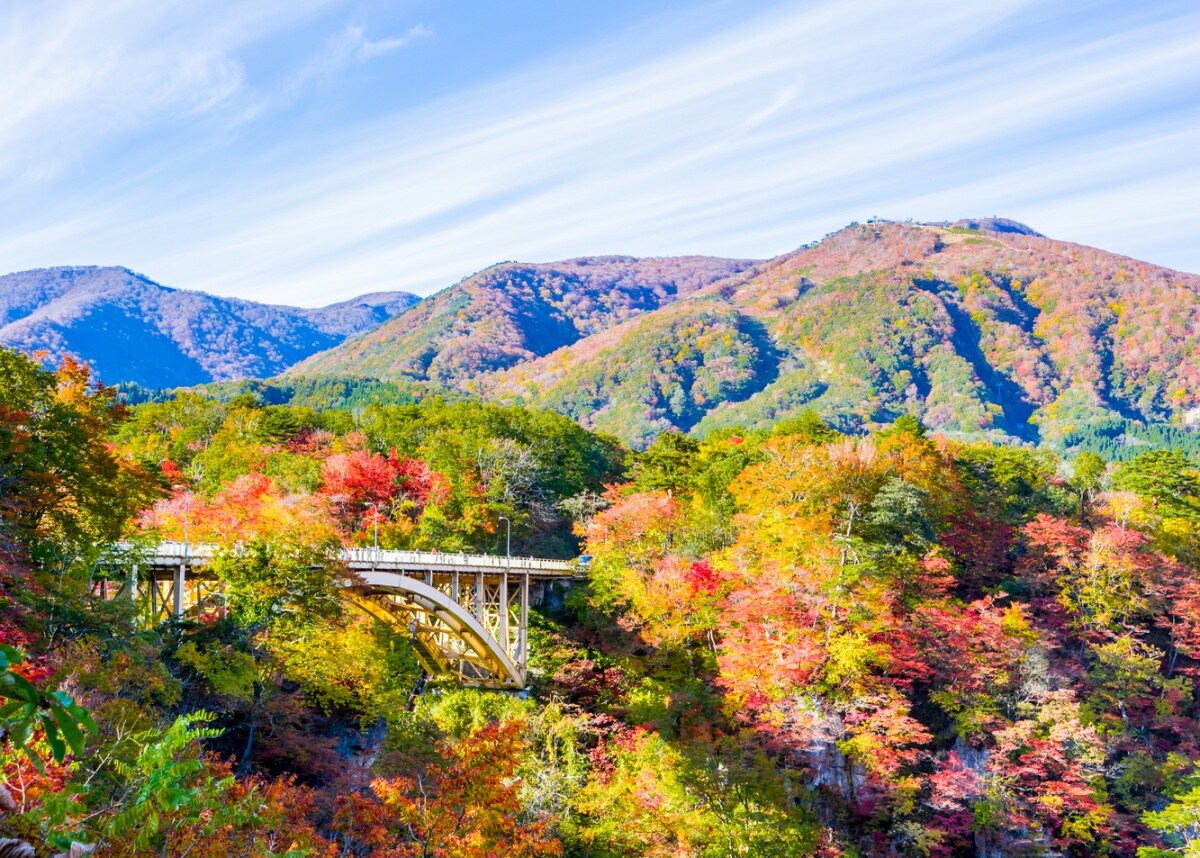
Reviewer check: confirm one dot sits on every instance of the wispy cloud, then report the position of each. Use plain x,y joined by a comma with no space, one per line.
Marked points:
75,74
749,141
348,48
368,50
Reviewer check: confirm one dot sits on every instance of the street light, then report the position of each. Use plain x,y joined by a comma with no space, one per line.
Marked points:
374,506
507,541
187,515
181,575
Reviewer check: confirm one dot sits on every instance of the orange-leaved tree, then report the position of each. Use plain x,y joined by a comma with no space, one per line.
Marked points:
468,806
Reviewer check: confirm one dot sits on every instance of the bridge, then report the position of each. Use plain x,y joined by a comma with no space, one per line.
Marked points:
468,614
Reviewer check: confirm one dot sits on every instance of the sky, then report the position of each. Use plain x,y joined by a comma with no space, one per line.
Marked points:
306,151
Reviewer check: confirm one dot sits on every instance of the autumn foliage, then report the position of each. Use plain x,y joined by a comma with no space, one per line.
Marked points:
791,642
466,806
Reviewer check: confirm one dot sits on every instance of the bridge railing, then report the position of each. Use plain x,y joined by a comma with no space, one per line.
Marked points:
199,552
438,558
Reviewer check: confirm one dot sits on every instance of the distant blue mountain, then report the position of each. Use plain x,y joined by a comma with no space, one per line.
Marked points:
129,328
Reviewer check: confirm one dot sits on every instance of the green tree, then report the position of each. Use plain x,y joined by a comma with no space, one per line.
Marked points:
1178,823
1125,670
269,582
63,488
1008,484
1167,479
807,425
1088,480
669,463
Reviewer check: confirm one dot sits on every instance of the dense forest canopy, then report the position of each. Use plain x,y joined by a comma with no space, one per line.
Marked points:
791,642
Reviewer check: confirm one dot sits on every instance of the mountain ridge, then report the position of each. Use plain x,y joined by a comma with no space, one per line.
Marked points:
131,328
978,332
980,327
514,311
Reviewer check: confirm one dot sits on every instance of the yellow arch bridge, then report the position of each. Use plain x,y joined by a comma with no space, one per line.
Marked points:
468,613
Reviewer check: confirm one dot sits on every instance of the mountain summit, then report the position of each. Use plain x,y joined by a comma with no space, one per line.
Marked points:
982,328
130,328
989,224
515,312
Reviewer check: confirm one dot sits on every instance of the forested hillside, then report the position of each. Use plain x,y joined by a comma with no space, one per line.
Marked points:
131,329
791,641
513,312
979,334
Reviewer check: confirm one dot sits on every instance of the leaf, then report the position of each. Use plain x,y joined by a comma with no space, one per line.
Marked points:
57,747
84,717
18,731
34,758
72,733
13,848
16,687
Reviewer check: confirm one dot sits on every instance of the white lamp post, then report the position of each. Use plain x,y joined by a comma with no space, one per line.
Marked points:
181,577
507,540
375,507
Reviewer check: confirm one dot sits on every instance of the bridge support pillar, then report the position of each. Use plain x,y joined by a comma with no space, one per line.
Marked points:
523,628
177,596
502,627
133,593
480,596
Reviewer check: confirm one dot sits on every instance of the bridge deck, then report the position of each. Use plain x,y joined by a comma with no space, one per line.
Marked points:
169,555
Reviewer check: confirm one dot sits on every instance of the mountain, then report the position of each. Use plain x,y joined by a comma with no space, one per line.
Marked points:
515,312
981,329
130,328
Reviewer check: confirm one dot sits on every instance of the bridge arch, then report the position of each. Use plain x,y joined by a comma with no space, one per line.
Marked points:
447,637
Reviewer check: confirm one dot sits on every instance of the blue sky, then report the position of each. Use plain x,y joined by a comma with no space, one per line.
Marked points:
304,151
